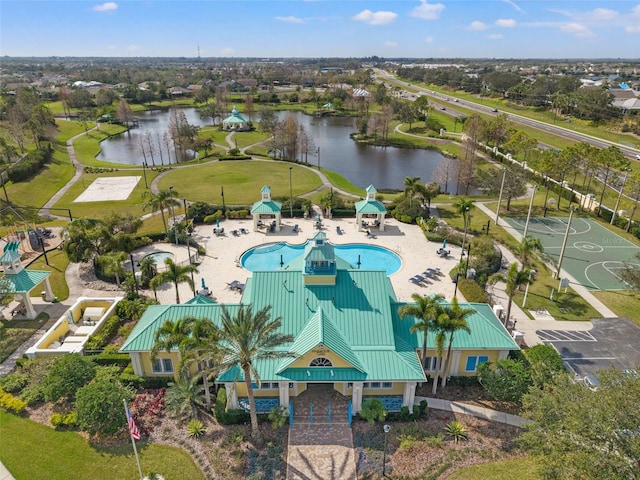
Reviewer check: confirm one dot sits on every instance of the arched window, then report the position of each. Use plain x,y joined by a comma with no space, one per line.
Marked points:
321,362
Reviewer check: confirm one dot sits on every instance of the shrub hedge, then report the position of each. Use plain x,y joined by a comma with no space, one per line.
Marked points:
30,164
228,417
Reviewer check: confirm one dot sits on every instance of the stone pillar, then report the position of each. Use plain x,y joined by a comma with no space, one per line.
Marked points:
48,292
356,397
137,364
409,396
31,313
232,396
284,394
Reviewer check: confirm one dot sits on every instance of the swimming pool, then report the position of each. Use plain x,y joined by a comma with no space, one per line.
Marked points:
160,257
371,257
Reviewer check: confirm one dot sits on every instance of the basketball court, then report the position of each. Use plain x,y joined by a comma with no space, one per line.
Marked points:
594,255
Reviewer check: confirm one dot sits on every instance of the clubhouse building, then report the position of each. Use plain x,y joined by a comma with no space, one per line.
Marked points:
347,335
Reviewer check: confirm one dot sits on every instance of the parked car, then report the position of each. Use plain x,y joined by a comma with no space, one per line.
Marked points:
495,110
591,382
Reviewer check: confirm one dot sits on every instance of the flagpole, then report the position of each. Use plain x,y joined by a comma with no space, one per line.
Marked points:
133,442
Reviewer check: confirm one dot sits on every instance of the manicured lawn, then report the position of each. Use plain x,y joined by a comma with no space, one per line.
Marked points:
36,451
624,303
58,263
15,333
242,181
88,146
505,470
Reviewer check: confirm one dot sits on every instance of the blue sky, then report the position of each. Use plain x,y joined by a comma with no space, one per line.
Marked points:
319,28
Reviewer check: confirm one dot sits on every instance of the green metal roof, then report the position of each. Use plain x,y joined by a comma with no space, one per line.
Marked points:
487,332
262,207
26,280
321,330
9,256
235,117
370,206
200,300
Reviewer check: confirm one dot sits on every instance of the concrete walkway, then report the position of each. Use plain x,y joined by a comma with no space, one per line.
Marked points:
4,473
474,411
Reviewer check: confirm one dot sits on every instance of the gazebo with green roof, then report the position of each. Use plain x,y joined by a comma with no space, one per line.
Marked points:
235,122
266,209
370,208
21,281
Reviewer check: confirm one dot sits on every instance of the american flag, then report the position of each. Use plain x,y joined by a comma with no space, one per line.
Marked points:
133,429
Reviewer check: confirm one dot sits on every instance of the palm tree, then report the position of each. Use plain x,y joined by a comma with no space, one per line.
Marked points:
196,341
527,246
160,201
426,310
514,279
411,187
184,397
175,274
112,264
148,270
463,207
246,338
439,341
456,319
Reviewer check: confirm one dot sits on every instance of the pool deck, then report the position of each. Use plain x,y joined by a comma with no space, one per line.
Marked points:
220,266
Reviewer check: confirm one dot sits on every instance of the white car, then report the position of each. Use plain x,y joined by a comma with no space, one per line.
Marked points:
591,382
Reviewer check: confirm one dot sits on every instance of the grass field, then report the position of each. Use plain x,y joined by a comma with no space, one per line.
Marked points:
242,181
526,469
15,333
36,451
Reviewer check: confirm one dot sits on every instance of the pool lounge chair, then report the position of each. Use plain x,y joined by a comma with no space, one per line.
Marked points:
296,229
415,281
338,230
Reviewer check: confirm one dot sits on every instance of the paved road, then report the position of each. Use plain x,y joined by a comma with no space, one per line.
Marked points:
630,152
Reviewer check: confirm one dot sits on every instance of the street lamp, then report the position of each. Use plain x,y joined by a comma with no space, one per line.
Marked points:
624,182
290,193
144,172
504,175
526,290
485,228
455,290
318,153
133,271
173,213
526,225
224,208
387,429
466,225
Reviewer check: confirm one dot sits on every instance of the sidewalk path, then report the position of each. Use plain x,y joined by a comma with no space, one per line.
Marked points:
473,410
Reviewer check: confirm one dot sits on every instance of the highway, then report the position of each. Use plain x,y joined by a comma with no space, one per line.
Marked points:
449,104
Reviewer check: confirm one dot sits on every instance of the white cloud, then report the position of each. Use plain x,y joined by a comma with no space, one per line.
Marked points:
577,29
636,11
427,11
506,22
495,36
106,7
133,48
227,51
390,43
428,40
513,4
290,19
476,25
600,15
632,29
375,18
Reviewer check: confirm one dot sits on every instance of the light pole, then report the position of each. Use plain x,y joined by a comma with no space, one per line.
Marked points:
624,182
224,208
526,225
133,271
318,153
485,228
526,290
144,172
468,257
387,429
504,175
173,213
455,290
290,193
466,225
564,244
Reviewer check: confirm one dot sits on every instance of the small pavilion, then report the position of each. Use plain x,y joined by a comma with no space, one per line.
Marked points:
266,209
235,122
370,209
22,281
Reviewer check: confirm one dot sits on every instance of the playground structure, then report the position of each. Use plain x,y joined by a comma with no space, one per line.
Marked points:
32,239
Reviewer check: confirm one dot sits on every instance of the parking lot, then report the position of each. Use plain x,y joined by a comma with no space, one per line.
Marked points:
611,342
